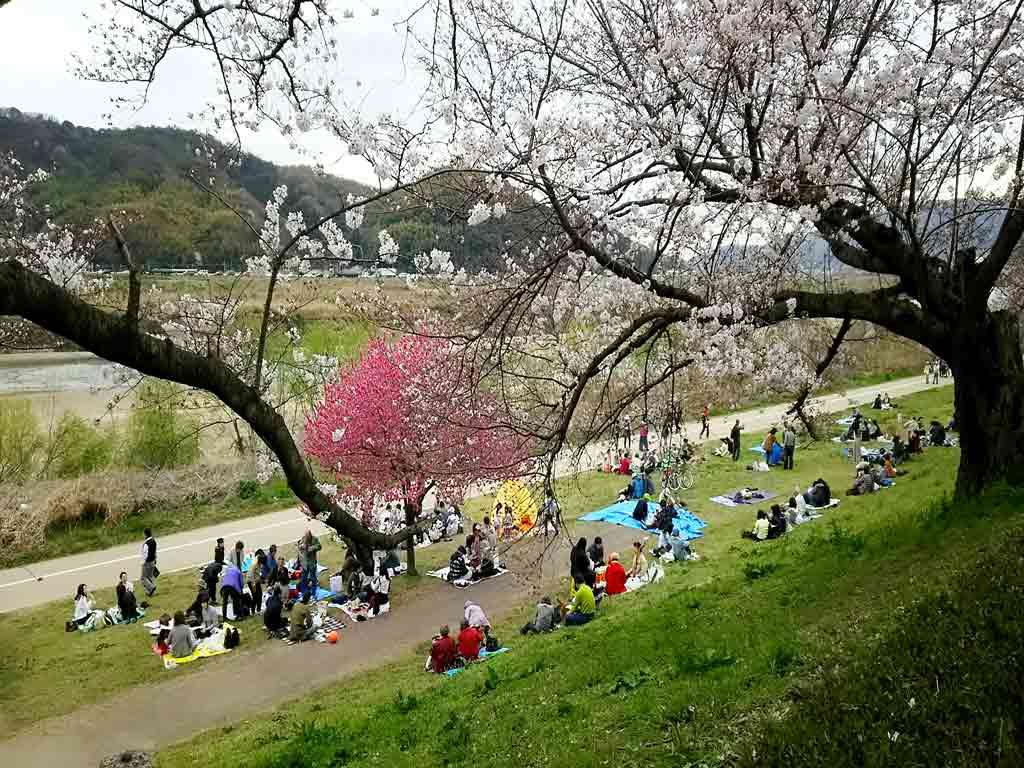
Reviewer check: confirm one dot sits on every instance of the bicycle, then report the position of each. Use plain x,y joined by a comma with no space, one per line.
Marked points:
677,475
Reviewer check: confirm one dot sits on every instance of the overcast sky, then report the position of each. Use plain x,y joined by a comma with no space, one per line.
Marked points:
38,38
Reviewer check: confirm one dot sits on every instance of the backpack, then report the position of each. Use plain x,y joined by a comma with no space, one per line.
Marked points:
231,638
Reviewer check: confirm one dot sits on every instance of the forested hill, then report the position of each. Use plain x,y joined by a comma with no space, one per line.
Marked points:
143,172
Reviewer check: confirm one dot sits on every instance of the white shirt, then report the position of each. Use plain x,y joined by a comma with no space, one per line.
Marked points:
381,585
761,529
83,607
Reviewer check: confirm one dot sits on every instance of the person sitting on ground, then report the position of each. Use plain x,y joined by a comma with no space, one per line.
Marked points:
182,640
776,522
458,568
543,620
680,546
724,449
639,566
877,405
351,564
231,589
596,552
210,616
864,482
794,515
85,606
273,616
889,467
819,494
608,464
936,434
664,521
614,576
301,622
874,431
381,586
453,524
760,530
162,644
194,613
392,561
579,564
624,465
126,599
476,617
582,608
443,653
470,640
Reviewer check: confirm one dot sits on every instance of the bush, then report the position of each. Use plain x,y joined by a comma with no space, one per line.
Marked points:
20,440
247,489
78,448
159,436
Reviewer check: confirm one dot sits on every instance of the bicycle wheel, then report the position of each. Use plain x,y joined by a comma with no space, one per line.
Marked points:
689,478
673,483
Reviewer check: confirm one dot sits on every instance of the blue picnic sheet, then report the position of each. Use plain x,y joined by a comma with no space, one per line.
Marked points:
621,513
483,657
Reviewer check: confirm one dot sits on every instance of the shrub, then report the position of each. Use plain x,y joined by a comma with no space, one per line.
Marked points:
247,489
159,436
20,440
77,448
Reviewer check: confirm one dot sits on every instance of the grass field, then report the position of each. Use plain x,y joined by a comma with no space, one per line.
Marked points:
812,650
47,672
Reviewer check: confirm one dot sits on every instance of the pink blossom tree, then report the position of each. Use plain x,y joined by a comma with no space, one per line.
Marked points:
406,419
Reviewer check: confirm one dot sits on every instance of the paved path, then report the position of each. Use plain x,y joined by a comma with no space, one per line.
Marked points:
56,579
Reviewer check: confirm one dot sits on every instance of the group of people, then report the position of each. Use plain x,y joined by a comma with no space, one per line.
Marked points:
475,636
85,614
478,557
800,508
934,370
780,449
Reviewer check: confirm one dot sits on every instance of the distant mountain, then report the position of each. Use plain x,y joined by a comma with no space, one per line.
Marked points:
141,174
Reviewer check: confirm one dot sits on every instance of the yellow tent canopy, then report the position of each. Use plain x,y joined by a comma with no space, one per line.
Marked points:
517,496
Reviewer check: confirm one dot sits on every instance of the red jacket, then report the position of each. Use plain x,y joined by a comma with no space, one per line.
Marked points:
442,654
469,643
615,578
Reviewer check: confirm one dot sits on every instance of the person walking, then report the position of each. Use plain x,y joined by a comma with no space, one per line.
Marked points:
149,569
788,446
309,545
705,423
734,436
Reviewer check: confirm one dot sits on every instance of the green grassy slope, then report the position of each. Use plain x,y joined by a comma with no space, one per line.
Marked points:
730,658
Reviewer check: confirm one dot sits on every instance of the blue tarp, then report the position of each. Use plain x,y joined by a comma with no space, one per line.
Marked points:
621,513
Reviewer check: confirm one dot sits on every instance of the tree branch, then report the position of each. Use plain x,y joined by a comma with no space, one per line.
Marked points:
134,281
31,296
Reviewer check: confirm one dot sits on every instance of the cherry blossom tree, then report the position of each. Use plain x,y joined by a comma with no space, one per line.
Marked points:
721,158
706,168
408,419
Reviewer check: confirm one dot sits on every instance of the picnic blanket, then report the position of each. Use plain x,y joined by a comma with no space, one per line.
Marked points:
730,499
484,655
442,574
356,609
653,574
210,646
621,513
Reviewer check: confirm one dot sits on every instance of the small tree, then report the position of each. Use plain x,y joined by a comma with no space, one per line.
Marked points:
405,420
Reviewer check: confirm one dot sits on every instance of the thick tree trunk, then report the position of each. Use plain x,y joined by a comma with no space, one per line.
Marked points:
989,374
